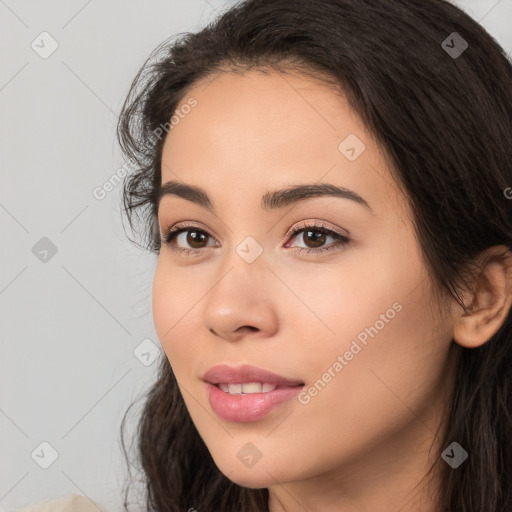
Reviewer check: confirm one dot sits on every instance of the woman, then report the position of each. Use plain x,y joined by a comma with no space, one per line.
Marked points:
327,188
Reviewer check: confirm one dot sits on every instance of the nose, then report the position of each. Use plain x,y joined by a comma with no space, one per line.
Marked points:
241,304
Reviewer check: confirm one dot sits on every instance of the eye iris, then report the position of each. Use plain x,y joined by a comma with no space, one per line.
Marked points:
317,236
193,237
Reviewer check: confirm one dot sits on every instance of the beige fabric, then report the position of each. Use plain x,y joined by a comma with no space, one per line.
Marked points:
69,503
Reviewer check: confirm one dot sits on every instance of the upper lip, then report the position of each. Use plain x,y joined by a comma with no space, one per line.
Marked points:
246,373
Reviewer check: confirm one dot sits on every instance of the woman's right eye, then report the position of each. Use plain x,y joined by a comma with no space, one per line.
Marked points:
193,235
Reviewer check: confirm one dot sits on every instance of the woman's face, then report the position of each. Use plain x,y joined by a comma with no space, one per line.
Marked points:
358,323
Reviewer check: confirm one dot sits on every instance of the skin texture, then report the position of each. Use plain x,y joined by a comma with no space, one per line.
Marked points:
362,443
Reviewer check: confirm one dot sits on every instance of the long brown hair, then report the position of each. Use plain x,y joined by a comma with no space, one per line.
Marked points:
443,117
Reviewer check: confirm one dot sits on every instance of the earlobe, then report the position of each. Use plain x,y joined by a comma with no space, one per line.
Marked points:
490,301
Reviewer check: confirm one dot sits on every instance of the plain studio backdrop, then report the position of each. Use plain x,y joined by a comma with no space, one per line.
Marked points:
77,338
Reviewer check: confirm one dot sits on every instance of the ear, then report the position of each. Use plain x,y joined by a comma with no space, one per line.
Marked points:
490,299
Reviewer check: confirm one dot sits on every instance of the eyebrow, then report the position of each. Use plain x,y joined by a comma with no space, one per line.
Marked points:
270,200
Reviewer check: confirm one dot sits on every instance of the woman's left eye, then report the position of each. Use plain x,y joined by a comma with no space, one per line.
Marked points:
312,233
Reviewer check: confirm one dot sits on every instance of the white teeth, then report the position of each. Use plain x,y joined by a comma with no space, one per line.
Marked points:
247,388
251,387
234,389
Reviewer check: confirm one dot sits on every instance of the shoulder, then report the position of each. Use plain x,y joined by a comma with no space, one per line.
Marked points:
69,503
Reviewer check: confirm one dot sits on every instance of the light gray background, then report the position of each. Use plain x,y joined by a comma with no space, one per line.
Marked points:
69,325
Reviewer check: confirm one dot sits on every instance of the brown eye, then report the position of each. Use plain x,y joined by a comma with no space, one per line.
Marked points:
190,236
195,238
314,238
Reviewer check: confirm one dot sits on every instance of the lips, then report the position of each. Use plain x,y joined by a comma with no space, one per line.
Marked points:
225,388
224,374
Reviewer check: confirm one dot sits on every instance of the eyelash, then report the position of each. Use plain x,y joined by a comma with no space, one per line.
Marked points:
173,232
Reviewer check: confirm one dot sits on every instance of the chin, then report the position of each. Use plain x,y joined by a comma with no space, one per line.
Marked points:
257,477
251,482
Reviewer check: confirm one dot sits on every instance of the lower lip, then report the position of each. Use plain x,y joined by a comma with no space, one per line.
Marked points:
250,407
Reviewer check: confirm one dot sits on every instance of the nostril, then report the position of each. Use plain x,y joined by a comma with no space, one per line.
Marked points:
249,327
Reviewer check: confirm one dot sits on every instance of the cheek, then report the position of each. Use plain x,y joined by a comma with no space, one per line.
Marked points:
393,349
172,309
383,322
356,298
161,304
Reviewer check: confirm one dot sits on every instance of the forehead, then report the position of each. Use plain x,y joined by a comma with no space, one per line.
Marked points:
290,107
254,131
